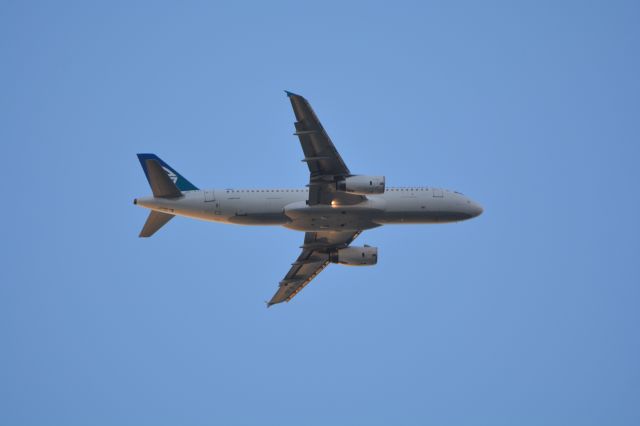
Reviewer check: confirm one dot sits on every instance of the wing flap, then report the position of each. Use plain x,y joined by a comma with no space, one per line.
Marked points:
325,164
313,259
315,141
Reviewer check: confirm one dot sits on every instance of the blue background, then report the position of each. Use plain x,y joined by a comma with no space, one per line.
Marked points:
525,315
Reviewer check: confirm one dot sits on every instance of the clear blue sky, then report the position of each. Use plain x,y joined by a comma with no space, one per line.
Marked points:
527,315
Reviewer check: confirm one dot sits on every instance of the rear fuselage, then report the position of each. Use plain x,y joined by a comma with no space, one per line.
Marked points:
288,207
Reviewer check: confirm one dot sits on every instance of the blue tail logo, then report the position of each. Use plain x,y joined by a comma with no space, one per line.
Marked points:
180,181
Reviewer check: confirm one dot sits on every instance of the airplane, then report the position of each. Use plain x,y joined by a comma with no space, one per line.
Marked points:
332,210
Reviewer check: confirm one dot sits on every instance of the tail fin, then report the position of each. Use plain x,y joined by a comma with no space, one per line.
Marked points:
155,221
180,182
161,184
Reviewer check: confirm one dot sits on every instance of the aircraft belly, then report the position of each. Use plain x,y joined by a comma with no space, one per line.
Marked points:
345,225
410,217
332,218
421,209
259,219
254,209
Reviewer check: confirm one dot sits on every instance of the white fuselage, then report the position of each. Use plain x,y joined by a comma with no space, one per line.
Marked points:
288,207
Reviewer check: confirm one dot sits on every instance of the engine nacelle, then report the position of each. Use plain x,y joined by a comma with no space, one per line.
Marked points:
362,185
355,256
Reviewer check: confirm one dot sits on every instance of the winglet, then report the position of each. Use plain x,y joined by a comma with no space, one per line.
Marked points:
290,94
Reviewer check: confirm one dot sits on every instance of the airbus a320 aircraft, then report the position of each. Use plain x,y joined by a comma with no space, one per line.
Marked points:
333,209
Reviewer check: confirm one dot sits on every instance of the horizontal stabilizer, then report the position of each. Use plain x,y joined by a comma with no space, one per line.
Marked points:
155,221
161,185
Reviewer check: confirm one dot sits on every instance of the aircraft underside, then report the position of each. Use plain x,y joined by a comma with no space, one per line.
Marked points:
333,209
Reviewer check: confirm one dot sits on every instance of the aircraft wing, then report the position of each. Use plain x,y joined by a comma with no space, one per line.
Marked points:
313,259
326,166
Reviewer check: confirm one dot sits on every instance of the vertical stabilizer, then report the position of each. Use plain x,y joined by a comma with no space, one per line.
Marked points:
180,181
161,184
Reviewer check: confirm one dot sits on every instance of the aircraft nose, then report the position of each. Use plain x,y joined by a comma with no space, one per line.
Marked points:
475,209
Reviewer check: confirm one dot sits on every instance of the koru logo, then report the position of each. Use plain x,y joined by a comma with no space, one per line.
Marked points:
171,175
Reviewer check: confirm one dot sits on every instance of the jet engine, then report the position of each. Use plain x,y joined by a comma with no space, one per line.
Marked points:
362,185
355,256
